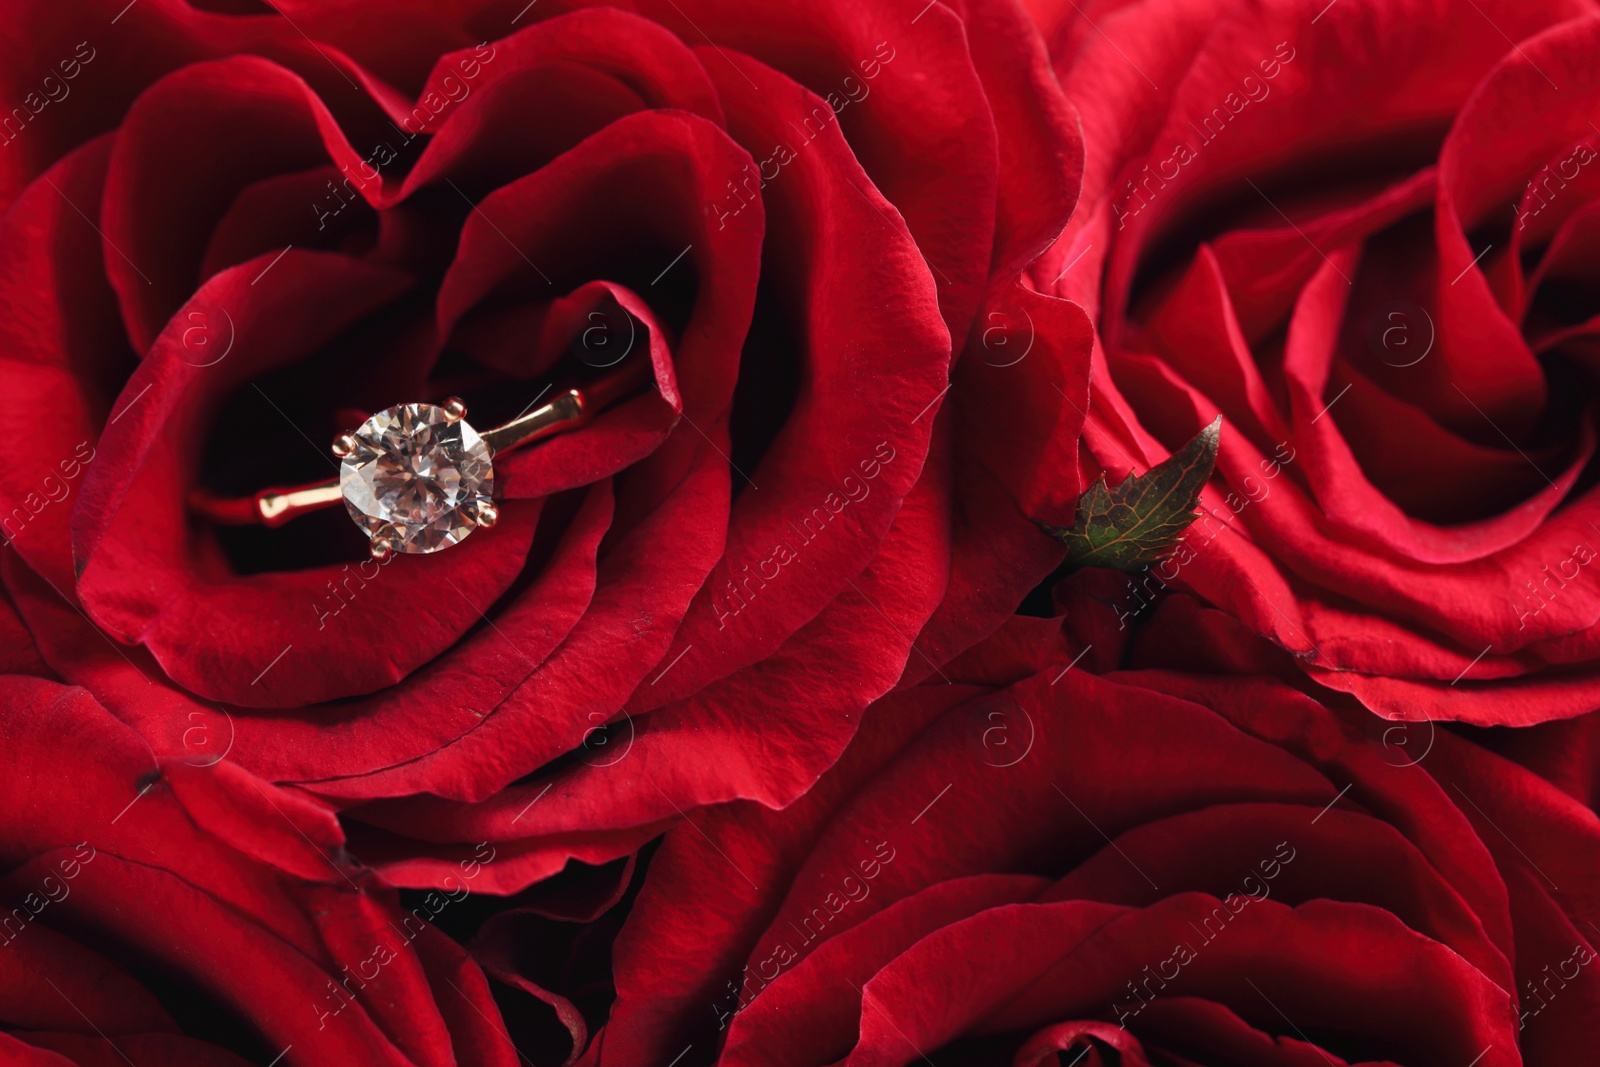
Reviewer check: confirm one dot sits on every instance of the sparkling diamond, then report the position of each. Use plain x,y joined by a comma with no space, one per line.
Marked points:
417,478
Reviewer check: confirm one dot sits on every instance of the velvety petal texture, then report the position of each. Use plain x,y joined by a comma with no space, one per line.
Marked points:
763,719
237,894
1362,253
792,226
1052,853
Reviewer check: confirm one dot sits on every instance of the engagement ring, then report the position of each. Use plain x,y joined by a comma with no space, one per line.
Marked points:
418,477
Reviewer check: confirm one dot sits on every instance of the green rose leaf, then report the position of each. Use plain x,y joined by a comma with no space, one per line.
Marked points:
1141,521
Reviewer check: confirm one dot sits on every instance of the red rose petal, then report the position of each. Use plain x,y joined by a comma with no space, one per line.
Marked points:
64,332
828,487
264,939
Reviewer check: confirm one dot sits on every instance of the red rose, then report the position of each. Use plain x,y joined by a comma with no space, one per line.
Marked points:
1135,867
232,236
1361,232
153,907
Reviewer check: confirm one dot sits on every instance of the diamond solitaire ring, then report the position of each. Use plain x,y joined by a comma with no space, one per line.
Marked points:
418,478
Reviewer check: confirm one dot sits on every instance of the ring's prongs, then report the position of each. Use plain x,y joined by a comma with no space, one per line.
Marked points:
455,410
344,444
382,548
488,515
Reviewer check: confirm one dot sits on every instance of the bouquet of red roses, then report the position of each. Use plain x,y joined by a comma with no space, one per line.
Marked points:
680,532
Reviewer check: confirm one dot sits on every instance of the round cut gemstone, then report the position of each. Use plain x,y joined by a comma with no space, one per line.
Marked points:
417,478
